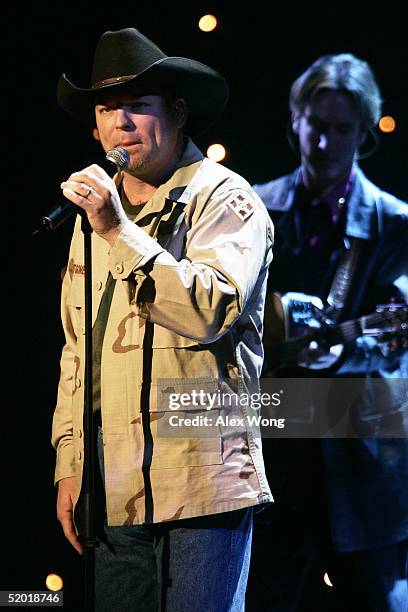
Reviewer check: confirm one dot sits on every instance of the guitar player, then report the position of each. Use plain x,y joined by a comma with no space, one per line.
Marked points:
341,504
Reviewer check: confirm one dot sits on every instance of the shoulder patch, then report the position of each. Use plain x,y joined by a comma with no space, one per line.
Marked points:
241,206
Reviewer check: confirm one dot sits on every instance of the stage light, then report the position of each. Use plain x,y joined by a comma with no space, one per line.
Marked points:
327,580
207,23
54,582
216,152
387,124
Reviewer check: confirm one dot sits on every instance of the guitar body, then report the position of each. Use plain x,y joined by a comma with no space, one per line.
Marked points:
305,318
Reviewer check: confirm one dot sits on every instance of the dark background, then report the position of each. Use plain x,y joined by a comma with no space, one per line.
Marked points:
260,49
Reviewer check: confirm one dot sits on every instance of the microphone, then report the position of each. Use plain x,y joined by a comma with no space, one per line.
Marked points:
118,159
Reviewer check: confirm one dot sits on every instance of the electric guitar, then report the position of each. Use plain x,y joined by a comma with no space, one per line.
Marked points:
303,334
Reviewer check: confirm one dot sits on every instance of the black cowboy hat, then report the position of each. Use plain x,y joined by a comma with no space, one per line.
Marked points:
126,57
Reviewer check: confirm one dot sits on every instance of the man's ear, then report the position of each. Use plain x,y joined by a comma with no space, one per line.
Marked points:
363,137
95,134
295,122
180,112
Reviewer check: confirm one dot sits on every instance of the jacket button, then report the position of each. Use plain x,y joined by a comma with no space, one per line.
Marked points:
99,285
119,268
78,383
79,455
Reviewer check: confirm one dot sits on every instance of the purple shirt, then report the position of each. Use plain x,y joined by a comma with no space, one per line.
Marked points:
322,226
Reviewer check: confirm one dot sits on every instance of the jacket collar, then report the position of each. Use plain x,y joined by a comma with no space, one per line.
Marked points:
363,208
175,186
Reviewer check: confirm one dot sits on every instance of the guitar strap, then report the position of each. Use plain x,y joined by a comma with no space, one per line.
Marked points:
343,277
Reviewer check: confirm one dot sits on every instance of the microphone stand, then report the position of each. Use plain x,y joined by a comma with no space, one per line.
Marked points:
88,480
120,158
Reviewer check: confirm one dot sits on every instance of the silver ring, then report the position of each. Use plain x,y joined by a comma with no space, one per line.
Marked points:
88,192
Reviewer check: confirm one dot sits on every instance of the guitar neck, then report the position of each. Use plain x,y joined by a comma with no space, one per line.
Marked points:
338,334
350,330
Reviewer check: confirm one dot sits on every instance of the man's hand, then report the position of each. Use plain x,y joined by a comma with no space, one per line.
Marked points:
93,190
65,507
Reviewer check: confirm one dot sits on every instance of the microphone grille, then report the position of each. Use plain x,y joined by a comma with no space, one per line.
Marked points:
118,156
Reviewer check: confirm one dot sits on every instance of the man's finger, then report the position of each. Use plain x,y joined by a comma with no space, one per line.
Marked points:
70,534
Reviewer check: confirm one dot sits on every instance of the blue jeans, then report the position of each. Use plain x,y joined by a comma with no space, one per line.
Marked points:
196,564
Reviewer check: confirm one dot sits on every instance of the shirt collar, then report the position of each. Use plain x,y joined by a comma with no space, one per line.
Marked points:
336,197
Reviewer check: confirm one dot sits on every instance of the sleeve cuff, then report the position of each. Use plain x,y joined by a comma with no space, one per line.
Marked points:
65,465
131,251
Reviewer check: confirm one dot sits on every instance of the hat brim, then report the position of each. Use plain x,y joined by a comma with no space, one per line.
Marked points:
206,92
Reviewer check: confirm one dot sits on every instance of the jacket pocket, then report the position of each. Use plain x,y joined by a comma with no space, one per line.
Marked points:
183,424
164,338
